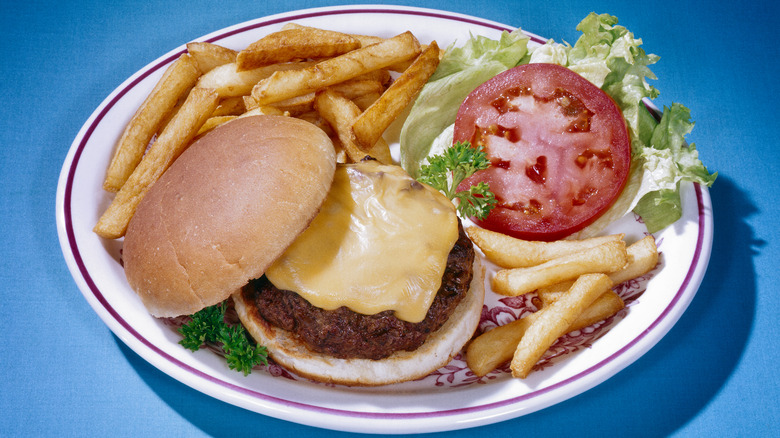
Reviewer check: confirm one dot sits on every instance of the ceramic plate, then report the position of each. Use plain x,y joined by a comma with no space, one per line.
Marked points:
452,397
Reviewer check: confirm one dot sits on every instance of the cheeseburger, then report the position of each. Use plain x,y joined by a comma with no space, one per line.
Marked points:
352,273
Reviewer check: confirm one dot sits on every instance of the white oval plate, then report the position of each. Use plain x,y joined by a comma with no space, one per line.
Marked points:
451,398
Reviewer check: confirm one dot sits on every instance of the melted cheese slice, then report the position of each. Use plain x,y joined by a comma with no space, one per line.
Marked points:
380,242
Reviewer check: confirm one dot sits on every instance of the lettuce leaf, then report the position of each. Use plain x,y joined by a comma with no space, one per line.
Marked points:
667,161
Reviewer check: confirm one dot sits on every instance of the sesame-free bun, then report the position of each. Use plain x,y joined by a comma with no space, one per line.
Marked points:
438,349
225,210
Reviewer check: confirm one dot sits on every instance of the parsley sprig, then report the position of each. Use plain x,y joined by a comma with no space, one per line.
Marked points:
446,171
208,326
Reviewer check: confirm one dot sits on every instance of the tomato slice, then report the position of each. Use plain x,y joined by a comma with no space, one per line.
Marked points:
558,145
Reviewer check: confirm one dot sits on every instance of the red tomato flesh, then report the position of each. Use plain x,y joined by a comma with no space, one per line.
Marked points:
558,145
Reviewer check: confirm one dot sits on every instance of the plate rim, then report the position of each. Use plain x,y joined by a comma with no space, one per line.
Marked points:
289,410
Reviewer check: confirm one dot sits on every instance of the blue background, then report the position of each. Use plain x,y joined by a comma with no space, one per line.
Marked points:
63,373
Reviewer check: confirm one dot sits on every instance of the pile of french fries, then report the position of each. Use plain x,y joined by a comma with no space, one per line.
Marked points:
573,279
352,86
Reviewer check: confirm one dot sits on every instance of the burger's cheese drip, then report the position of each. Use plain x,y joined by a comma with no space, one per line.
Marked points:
380,242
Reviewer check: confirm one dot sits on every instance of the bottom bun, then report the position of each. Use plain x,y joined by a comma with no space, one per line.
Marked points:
437,351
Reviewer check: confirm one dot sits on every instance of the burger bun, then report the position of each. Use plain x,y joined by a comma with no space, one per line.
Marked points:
225,210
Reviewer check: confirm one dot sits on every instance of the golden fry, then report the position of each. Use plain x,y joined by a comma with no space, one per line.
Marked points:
601,309
263,111
341,113
294,44
351,89
365,40
209,55
316,119
169,145
605,258
510,252
175,83
381,151
228,81
554,321
606,305
642,257
366,100
213,122
373,122
287,84
497,346
296,105
230,106
357,87
249,103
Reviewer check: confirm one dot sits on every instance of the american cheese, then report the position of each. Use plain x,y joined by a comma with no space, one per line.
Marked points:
380,242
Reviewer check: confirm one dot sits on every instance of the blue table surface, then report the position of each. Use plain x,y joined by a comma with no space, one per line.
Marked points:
64,373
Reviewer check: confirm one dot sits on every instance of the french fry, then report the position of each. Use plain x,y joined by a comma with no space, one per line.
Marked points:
228,81
641,256
606,305
373,122
249,103
171,113
489,350
316,119
174,84
294,44
213,122
230,106
601,309
351,89
209,55
366,100
605,258
341,113
554,321
169,145
399,67
381,151
510,252
252,108
263,111
286,84
359,86
296,105
365,40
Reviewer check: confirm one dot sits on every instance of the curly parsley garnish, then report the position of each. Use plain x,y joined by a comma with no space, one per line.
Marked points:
444,172
208,326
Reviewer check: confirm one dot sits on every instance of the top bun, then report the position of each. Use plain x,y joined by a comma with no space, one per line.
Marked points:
225,210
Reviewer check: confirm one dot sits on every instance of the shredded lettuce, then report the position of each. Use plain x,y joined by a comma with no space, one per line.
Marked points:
609,56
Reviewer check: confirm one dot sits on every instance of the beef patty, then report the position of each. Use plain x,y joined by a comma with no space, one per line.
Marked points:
343,333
